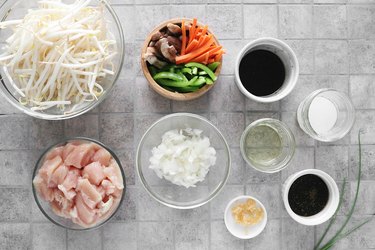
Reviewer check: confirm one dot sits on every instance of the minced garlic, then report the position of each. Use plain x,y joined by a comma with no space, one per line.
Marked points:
247,213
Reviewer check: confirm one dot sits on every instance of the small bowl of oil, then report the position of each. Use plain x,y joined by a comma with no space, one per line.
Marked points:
267,145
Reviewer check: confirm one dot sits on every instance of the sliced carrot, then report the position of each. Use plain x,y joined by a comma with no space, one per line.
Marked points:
207,55
204,30
200,57
215,50
191,34
191,46
183,45
191,55
200,41
218,57
192,30
198,45
211,60
207,41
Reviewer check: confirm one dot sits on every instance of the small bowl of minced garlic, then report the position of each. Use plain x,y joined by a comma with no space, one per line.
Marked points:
245,217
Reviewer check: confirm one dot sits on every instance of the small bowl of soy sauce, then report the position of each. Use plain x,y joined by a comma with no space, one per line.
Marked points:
310,196
266,70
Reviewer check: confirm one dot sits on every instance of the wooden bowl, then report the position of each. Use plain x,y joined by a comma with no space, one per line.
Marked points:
159,89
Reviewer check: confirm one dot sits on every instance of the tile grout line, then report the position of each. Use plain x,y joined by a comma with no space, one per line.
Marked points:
209,115
348,84
280,118
99,117
136,177
313,17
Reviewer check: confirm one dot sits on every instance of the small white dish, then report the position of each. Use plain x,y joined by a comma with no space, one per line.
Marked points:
240,231
330,208
287,56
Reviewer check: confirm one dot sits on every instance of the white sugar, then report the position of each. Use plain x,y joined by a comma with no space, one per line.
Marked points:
322,115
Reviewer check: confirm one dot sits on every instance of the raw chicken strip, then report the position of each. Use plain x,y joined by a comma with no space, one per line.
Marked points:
42,189
100,190
86,188
80,156
85,214
48,167
90,203
104,207
94,172
113,173
55,152
61,199
67,150
59,175
69,194
71,178
102,156
108,187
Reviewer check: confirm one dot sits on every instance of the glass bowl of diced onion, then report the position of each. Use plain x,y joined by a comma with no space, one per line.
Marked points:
173,174
58,59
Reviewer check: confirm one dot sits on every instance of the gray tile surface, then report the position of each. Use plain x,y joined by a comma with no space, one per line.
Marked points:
85,240
48,236
334,41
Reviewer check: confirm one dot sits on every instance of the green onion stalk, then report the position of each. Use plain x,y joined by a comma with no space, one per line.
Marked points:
339,234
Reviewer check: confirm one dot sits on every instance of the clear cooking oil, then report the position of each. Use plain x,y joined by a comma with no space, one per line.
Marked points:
263,144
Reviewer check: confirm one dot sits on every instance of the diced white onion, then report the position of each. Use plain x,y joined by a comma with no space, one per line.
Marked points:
184,157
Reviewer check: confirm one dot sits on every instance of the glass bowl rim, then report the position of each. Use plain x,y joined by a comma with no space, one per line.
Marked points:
66,140
284,126
212,194
51,117
351,109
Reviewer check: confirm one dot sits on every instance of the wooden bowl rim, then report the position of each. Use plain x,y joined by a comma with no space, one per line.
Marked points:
159,89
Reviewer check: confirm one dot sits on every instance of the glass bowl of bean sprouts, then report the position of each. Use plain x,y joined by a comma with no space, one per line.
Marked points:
58,58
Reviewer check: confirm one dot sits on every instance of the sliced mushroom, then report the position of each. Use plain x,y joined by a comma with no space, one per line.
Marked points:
169,52
150,56
174,29
156,36
175,42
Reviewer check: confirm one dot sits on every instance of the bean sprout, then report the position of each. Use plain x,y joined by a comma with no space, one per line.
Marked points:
58,54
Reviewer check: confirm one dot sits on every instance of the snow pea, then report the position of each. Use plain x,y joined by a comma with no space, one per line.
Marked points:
198,81
172,83
208,80
168,75
213,66
153,70
187,89
202,67
186,70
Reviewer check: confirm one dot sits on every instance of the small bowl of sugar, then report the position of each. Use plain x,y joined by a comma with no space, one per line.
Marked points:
326,115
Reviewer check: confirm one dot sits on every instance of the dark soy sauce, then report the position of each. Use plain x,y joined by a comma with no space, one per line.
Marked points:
308,195
261,72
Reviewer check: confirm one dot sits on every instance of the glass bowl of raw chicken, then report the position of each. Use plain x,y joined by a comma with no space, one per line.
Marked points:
79,183
183,161
61,58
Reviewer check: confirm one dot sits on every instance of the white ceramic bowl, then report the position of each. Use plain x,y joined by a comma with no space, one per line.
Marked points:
330,208
287,56
240,231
